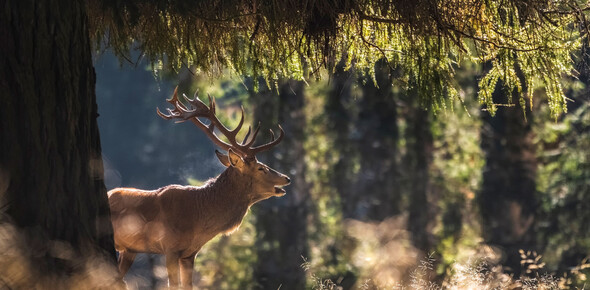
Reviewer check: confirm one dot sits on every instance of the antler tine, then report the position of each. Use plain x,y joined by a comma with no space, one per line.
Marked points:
247,134
174,97
175,101
180,106
211,103
164,116
235,131
198,109
185,98
253,136
172,113
181,111
270,144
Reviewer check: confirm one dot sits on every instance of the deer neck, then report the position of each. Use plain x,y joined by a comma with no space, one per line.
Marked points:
227,199
232,188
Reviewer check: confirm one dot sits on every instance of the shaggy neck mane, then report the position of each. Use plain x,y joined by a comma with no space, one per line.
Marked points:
229,194
229,183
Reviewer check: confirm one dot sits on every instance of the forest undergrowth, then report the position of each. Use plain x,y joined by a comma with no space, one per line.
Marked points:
478,273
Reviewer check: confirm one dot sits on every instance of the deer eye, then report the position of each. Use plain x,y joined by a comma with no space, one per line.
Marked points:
261,168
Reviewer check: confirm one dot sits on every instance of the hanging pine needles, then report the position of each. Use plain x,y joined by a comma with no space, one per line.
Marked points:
528,43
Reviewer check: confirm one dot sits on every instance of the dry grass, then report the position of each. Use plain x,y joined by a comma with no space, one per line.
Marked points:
386,260
476,276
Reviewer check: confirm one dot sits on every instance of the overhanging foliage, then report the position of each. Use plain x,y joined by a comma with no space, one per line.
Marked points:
526,43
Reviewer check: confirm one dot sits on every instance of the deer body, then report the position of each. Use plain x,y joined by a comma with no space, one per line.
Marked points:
178,220
175,218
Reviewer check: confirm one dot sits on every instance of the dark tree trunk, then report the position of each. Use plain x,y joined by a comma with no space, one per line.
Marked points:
507,199
338,123
281,223
51,174
418,159
377,188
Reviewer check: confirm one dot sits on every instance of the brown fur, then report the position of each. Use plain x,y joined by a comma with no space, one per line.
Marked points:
178,220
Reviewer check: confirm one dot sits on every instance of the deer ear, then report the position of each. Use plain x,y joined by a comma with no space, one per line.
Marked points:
235,160
222,158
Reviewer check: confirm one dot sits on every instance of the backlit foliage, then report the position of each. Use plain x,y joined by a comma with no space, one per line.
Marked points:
523,41
564,181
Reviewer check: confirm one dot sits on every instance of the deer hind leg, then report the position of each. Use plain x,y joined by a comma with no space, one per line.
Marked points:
186,271
125,260
172,265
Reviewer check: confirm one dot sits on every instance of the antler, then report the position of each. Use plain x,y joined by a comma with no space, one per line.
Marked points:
198,109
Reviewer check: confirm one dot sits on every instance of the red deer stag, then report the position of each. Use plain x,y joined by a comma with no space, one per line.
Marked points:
178,220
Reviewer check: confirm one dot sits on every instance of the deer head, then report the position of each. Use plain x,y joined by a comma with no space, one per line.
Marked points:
266,182
241,156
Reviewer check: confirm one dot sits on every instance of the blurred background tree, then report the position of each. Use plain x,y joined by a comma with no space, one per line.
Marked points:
438,162
375,93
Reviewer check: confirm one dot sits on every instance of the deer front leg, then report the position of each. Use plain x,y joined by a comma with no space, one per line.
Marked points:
172,261
186,271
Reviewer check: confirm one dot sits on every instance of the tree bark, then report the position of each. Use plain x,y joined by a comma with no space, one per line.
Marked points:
507,199
281,223
52,192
